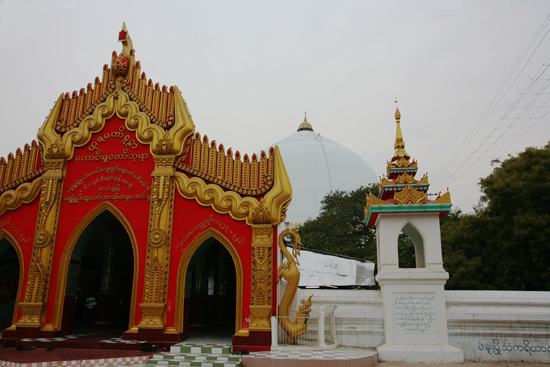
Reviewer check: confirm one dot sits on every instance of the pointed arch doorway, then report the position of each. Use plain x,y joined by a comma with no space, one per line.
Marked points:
211,293
100,276
10,279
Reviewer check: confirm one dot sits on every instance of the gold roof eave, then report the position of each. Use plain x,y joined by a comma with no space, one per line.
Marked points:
242,208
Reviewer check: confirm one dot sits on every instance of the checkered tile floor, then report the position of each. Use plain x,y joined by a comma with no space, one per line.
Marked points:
78,335
341,353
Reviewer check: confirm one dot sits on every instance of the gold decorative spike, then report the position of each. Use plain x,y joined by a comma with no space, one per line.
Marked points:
424,179
256,179
124,37
443,199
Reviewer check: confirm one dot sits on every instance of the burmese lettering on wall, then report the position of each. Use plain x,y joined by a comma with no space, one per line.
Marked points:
109,165
415,314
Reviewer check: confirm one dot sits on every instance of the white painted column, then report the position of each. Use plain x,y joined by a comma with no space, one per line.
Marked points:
415,317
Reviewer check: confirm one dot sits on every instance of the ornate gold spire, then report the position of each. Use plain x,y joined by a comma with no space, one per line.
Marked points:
399,145
400,191
305,125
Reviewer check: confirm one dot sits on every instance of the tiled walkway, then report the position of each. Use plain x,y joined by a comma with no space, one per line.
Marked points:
41,357
79,349
331,354
342,356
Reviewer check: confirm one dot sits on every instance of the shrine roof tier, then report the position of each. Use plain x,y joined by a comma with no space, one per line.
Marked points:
23,166
155,101
400,191
247,175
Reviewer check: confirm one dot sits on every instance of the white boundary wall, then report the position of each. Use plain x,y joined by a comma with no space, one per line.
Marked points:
485,325
500,325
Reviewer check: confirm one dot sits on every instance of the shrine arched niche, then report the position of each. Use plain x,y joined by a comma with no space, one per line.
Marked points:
411,241
98,274
209,293
11,279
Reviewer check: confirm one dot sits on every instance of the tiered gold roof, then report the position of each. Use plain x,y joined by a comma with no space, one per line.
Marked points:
247,175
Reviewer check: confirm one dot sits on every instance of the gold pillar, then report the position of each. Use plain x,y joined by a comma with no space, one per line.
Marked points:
38,283
262,268
158,245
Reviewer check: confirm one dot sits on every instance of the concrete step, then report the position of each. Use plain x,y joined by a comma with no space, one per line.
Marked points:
192,355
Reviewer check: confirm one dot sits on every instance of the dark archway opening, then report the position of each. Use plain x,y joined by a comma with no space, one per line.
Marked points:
210,291
100,277
407,255
9,282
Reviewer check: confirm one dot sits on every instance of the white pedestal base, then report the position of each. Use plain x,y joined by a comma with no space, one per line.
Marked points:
419,354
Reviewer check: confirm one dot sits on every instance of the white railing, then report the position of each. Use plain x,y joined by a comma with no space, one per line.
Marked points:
320,333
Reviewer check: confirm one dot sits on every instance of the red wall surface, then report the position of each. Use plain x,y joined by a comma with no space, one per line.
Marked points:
112,167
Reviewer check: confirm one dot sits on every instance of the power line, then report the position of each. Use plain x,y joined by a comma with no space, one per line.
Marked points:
525,111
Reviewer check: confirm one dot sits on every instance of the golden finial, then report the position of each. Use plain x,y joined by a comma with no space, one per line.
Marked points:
127,43
305,125
399,145
397,113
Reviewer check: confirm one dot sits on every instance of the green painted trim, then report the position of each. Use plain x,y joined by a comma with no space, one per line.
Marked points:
406,208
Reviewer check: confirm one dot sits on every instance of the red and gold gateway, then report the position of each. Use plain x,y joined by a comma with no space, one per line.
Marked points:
124,217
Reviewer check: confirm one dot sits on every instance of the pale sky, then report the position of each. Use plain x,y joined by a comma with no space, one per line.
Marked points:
249,69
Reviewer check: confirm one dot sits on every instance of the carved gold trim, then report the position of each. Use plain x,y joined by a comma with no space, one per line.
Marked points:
118,102
182,270
238,207
39,273
152,315
66,258
157,261
374,201
260,318
409,195
262,275
24,194
223,202
278,198
32,314
5,234
405,178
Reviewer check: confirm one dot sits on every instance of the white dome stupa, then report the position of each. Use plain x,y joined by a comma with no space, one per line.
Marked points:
317,166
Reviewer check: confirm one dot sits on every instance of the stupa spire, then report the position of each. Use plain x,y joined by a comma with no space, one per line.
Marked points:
399,188
399,145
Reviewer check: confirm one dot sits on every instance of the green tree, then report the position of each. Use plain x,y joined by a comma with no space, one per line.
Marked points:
340,228
505,244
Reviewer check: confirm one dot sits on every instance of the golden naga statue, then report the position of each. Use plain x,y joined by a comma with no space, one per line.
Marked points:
289,271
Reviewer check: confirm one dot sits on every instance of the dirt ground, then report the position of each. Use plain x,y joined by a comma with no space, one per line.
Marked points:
467,364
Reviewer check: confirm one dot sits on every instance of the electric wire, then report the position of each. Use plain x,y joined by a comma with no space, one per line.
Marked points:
527,108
